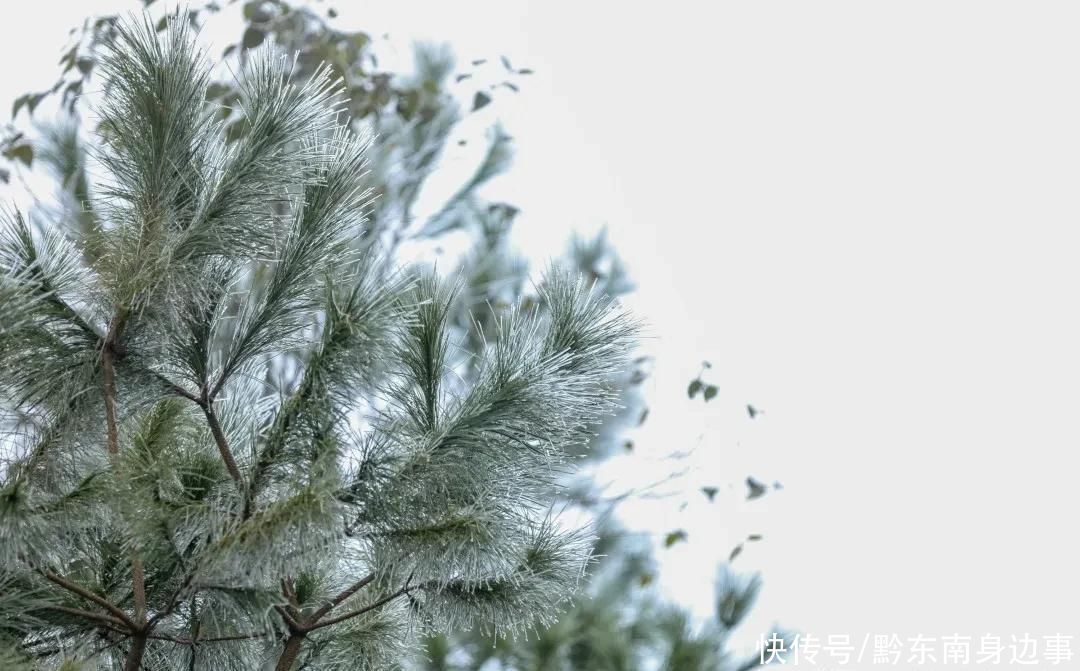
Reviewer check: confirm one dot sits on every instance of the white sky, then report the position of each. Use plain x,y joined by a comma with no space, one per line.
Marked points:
864,214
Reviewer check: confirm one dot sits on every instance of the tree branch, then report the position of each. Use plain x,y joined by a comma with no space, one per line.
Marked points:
108,354
174,600
90,615
360,611
175,388
135,656
87,594
222,443
293,625
337,600
138,588
182,640
109,380
290,652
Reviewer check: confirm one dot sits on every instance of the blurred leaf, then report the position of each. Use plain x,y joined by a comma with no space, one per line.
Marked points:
28,100
359,40
480,100
735,552
754,537
506,62
479,61
710,392
694,388
253,37
463,76
646,579
511,86
216,90
525,71
228,50
68,59
752,411
22,152
756,489
710,492
674,537
643,416
628,446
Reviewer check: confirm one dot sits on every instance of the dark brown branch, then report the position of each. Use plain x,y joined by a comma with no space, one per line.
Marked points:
176,389
337,600
290,621
112,443
360,611
222,444
290,652
90,615
174,600
216,389
88,595
181,640
289,592
109,350
138,588
108,374
135,656
299,630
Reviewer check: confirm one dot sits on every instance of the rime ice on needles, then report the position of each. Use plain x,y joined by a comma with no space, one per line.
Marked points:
167,501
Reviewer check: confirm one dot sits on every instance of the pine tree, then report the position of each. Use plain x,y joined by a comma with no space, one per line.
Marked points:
234,440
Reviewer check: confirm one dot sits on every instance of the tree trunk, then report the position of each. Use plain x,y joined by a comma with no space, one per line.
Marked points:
138,647
290,653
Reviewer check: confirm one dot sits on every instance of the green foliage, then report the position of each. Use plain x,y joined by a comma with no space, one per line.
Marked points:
171,498
618,623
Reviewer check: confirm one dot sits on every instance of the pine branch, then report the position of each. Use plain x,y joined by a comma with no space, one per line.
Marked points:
290,652
88,595
90,615
293,624
173,602
360,611
138,580
108,353
181,640
222,443
342,596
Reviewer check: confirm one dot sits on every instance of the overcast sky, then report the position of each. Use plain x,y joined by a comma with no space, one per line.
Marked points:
864,214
